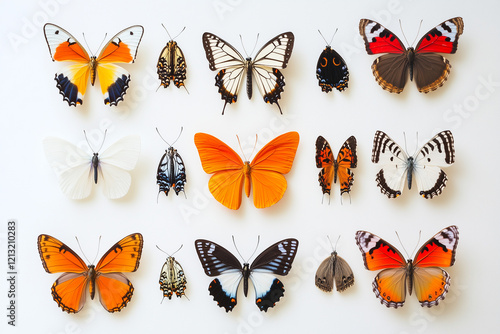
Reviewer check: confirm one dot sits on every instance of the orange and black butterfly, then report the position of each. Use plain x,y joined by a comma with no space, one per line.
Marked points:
264,174
332,168
69,290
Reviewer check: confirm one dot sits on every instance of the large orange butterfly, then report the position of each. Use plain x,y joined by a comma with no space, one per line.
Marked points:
72,81
423,274
69,290
264,174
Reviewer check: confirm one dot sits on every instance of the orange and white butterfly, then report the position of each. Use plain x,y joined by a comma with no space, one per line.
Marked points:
264,174
70,289
72,80
423,273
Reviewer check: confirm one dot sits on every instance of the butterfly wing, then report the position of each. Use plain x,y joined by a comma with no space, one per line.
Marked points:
331,71
347,159
437,152
122,48
269,165
325,161
116,162
390,70
218,261
223,57
171,65
391,178
276,259
72,80
69,289
390,284
431,282
216,157
334,267
172,278
114,289
272,56
72,166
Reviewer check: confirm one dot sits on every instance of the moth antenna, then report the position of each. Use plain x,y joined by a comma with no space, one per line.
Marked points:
402,31
182,128
168,32
323,38
407,255
328,44
177,249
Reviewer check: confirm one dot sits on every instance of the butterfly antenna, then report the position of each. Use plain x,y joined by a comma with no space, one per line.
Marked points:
180,32
254,145
87,44
402,244
105,35
164,251
323,37
416,144
159,134
418,32
256,246
406,148
402,31
168,32
182,128
241,149
88,143
418,243
237,250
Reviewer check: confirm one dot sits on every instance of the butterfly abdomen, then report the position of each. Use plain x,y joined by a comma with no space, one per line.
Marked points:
410,57
248,66
92,275
410,167
93,69
95,166
247,171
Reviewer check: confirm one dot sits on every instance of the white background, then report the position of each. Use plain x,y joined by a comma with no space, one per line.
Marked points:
33,109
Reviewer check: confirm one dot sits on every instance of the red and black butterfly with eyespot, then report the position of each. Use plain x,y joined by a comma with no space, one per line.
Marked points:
331,70
332,168
218,261
423,62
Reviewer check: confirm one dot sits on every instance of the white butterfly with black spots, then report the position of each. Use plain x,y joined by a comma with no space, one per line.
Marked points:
218,261
424,166
223,57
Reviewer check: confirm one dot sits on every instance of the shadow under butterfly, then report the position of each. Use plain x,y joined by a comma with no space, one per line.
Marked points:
218,261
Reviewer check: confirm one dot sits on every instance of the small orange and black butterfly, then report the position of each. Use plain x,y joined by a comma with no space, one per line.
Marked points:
69,290
340,168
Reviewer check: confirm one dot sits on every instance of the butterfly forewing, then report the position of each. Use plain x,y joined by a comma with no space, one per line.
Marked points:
214,258
277,258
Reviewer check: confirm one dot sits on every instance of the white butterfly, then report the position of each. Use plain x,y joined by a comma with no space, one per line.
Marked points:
223,57
425,165
77,169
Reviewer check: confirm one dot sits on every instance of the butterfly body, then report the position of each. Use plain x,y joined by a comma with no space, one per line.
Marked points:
331,71
424,166
333,268
332,168
105,278
422,275
264,174
424,63
217,261
231,67
72,80
172,278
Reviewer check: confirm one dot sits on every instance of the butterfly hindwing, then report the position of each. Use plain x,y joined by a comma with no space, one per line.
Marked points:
331,71
233,68
217,261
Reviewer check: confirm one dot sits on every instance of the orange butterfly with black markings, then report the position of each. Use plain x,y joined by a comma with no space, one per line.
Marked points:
72,80
70,289
333,169
423,273
264,174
